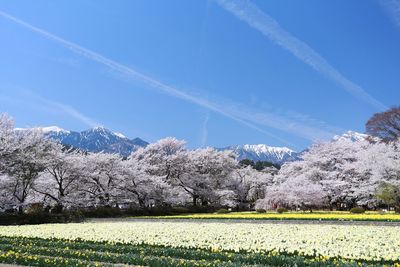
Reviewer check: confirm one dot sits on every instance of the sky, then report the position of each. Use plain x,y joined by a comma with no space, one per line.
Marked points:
211,72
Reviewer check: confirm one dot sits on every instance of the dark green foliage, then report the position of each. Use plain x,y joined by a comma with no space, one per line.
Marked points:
389,194
35,208
222,211
357,210
36,214
39,218
180,210
102,212
246,162
259,165
281,210
261,211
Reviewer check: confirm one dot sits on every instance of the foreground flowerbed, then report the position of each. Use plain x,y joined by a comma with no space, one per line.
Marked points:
199,244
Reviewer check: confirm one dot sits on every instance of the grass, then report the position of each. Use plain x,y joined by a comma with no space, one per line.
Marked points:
316,215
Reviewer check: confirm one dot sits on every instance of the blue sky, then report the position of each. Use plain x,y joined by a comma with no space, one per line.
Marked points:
214,73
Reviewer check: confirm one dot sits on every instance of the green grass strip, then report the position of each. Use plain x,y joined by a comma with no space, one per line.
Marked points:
28,259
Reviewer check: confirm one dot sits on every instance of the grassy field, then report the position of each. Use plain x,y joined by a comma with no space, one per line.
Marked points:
317,215
160,243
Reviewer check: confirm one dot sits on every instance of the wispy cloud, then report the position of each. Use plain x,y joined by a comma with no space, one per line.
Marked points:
63,108
251,118
204,130
392,7
75,114
248,12
22,97
304,128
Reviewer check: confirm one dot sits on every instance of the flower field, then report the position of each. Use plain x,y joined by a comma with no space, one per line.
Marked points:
155,243
319,215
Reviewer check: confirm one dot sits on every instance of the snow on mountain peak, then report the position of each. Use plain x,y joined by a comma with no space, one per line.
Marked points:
97,139
119,135
46,130
98,129
54,129
262,148
352,136
262,152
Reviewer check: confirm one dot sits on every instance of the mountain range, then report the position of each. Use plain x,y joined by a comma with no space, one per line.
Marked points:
262,152
280,155
352,136
100,139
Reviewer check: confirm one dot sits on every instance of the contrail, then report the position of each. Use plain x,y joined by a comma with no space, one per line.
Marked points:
227,109
248,12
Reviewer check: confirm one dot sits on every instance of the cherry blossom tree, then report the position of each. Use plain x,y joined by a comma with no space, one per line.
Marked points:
159,166
330,170
23,164
101,173
297,192
140,188
380,163
61,180
248,185
199,174
8,142
166,157
209,170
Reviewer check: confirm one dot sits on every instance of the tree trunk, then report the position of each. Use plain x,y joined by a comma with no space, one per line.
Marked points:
195,200
20,210
397,208
58,208
142,203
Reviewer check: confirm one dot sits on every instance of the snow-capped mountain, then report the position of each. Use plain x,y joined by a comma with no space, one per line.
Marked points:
54,129
281,155
262,152
352,136
98,139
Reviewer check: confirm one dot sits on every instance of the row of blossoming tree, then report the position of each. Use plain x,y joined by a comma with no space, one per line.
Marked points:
337,174
35,169
344,173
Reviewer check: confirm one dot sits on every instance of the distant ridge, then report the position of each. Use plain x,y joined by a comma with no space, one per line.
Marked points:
262,152
352,136
98,139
